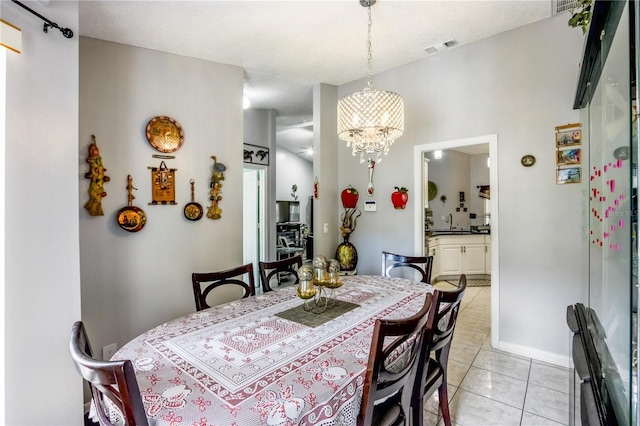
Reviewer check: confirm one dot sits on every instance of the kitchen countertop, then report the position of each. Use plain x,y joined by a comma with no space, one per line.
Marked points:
437,232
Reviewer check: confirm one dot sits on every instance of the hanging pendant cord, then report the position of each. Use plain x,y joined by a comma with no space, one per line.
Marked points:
369,51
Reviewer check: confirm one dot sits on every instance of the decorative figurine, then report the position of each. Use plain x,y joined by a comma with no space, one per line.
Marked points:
98,178
214,211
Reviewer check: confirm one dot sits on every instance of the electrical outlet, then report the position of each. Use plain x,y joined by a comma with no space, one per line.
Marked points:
108,351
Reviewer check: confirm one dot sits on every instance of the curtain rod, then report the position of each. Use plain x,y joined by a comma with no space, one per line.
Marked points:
47,23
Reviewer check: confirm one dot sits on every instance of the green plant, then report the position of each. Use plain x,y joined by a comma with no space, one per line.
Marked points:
581,15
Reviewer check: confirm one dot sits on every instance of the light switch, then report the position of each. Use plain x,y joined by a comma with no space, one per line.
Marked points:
326,228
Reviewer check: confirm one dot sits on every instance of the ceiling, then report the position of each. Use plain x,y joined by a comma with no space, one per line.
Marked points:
287,46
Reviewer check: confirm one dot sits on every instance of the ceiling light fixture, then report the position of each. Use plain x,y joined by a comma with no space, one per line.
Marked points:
369,121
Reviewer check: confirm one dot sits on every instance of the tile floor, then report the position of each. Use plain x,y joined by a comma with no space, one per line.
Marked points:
490,387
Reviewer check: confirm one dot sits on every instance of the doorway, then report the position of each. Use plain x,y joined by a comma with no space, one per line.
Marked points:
420,181
253,217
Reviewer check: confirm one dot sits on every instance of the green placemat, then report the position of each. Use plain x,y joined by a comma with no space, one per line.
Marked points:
299,315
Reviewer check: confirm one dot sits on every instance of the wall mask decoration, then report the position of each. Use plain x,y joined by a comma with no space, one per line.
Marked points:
98,178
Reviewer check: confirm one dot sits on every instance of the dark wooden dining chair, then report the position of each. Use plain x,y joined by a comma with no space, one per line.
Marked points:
113,384
422,264
431,374
388,383
229,277
275,270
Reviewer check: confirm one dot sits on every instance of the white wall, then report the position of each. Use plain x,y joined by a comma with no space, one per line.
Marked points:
519,85
134,281
260,129
42,277
293,170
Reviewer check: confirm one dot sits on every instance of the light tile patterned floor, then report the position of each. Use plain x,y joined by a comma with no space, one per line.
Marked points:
490,387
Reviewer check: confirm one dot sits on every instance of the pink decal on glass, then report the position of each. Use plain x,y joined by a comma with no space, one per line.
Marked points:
612,185
621,223
605,168
619,162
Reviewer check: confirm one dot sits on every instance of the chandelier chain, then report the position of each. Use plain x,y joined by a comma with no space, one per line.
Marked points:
369,51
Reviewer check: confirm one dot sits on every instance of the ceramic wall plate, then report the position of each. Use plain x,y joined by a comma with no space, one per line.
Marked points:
432,190
164,134
528,160
131,218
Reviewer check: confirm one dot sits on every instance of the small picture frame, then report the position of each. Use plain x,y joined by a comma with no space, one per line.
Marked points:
254,154
568,138
569,175
568,157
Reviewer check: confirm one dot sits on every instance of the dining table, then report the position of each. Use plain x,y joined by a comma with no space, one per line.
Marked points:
265,360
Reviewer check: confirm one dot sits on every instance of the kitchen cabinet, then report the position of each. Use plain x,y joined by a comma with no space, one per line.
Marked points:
487,255
434,250
458,254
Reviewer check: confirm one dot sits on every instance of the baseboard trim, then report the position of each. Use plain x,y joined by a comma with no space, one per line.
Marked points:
538,355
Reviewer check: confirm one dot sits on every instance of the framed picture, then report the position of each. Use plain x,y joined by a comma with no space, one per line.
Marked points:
569,175
568,157
254,154
568,138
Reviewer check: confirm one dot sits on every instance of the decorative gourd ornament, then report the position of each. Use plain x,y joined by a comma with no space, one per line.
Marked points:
97,178
217,177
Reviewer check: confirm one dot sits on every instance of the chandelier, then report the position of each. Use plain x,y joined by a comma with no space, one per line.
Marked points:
369,121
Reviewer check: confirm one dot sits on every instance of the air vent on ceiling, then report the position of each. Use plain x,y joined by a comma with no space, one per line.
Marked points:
441,46
559,6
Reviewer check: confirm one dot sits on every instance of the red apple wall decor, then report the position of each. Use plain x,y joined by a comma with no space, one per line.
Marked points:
349,197
400,197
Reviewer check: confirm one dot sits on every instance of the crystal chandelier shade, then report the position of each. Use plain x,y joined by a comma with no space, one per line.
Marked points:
369,121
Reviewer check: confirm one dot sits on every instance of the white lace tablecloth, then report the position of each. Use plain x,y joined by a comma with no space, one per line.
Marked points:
240,365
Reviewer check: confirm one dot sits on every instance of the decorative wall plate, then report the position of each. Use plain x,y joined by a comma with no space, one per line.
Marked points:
131,218
165,134
528,160
432,190
193,210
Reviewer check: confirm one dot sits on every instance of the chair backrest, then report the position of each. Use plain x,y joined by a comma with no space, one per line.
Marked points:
213,280
447,314
422,264
285,266
391,364
113,383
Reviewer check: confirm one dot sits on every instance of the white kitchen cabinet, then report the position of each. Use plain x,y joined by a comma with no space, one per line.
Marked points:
473,259
487,254
450,259
459,254
434,250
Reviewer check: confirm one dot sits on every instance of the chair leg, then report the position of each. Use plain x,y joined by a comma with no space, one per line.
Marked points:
443,394
417,415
